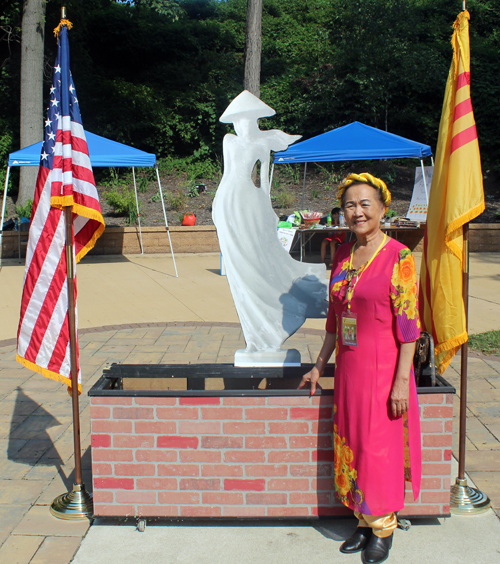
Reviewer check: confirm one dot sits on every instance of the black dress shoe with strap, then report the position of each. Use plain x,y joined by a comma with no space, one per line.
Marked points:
376,550
357,541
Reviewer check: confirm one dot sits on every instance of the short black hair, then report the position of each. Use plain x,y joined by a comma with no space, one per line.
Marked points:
335,211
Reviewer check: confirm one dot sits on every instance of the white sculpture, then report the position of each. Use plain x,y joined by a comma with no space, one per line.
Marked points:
272,292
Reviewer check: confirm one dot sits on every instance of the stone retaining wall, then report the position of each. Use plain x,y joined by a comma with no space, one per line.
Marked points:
203,239
239,456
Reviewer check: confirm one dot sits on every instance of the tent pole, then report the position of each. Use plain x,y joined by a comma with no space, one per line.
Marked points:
4,204
271,178
425,183
137,208
432,161
303,187
165,216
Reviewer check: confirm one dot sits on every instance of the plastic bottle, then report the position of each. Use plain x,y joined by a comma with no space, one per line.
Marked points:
329,220
341,220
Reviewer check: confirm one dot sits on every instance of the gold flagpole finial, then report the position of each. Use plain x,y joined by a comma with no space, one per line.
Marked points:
63,22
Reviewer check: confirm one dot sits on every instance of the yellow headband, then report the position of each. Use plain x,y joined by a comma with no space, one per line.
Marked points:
365,178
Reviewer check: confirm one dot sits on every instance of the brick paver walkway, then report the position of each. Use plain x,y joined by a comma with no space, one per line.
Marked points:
36,461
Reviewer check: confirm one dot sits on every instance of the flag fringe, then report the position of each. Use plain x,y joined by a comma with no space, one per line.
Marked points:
46,372
452,343
62,23
62,202
90,245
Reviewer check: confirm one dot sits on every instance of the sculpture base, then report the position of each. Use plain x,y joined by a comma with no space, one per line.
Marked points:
284,357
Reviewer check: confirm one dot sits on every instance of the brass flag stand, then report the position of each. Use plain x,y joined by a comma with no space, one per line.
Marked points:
76,504
465,500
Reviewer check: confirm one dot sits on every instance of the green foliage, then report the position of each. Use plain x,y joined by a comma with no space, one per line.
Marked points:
5,149
391,213
289,172
487,343
176,202
284,199
156,197
314,193
157,74
193,190
143,184
25,211
123,203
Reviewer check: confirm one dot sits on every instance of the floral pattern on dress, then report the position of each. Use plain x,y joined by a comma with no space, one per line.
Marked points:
338,281
345,474
404,296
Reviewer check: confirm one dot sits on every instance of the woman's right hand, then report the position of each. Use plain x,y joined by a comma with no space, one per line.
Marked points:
311,379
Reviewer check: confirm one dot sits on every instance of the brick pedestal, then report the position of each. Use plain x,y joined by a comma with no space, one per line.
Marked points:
223,456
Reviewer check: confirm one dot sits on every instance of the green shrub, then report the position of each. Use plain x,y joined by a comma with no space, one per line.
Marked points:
143,184
25,211
176,202
123,203
391,213
284,199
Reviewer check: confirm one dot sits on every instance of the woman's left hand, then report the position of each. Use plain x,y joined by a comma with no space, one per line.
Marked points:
400,396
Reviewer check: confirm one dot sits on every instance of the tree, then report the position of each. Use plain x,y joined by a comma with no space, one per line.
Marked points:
32,43
253,47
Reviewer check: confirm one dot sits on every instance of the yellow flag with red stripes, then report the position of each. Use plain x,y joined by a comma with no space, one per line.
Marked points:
456,197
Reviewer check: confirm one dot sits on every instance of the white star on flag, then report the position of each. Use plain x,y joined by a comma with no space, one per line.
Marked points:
44,155
55,102
57,69
47,122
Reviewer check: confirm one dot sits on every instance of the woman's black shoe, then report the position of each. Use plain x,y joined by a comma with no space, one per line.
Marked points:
357,541
376,550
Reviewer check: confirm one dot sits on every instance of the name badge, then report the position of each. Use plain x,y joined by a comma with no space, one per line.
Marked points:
349,329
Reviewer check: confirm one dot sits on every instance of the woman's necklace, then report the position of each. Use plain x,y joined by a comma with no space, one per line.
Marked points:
354,275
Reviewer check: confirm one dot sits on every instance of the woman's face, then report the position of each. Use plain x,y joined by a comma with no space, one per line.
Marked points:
363,210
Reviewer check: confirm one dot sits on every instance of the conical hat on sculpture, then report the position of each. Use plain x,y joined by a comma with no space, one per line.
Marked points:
246,105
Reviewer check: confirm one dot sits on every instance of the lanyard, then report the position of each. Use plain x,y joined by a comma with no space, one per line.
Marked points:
358,273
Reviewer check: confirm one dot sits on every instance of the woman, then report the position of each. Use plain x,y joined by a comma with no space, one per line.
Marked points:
272,292
373,323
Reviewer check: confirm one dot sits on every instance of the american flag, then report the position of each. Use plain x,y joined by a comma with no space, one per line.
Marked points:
65,178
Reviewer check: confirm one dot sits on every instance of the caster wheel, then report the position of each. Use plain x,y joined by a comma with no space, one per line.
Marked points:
141,525
404,524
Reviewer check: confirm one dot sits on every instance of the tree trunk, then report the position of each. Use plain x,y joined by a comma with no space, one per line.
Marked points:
32,41
253,47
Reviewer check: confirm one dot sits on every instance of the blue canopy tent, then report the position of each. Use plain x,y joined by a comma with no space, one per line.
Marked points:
352,142
102,152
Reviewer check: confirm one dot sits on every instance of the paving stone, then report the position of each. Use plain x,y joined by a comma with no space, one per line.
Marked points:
179,358
488,483
43,471
482,461
167,340
485,409
141,357
20,549
11,515
20,492
39,521
56,550
198,347
11,470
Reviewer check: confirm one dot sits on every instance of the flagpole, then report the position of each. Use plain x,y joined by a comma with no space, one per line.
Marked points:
465,500
78,503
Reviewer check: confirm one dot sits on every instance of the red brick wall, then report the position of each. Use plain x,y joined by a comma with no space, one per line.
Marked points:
244,457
